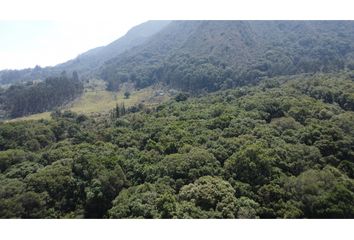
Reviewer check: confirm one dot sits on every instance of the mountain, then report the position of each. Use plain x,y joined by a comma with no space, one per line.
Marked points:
89,61
206,56
210,55
266,129
86,64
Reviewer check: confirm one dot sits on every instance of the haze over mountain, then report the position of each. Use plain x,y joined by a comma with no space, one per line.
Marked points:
86,63
210,55
89,61
199,56
196,55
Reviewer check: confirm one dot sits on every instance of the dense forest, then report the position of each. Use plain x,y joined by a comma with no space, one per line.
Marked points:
198,56
259,124
283,148
36,97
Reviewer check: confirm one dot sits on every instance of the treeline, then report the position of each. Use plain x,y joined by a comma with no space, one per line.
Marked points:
212,55
281,149
30,98
27,75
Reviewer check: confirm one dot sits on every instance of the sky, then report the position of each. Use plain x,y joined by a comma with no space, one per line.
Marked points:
49,32
28,43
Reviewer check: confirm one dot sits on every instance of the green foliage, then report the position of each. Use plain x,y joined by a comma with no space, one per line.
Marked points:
323,193
211,194
181,97
57,181
28,136
144,201
40,97
11,157
187,167
273,150
126,94
212,197
102,190
252,164
16,202
197,56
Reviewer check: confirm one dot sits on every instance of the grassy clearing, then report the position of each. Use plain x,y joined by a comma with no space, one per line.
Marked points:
38,116
97,100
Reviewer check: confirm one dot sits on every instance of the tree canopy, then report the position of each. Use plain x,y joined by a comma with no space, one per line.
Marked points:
283,148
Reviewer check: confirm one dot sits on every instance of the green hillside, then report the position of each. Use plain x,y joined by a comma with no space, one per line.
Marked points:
96,100
212,55
281,149
202,119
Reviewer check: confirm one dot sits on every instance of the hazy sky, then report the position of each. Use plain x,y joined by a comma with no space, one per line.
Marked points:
28,43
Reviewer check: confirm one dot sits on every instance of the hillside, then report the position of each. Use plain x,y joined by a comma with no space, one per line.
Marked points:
37,97
86,64
18,98
200,119
96,100
90,61
211,55
281,149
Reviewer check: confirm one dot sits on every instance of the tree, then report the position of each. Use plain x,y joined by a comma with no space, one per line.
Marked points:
126,94
11,157
212,195
10,190
323,193
75,76
24,99
187,167
181,97
56,180
144,201
102,191
252,164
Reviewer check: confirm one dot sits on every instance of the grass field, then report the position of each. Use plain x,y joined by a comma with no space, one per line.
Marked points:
38,116
97,100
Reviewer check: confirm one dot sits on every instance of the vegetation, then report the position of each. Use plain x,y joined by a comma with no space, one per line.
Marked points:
95,100
30,98
260,125
198,56
127,94
283,148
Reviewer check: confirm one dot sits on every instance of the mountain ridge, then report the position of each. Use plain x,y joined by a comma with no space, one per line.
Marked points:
206,56
249,49
85,63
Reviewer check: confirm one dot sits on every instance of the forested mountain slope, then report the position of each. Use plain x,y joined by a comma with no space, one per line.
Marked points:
89,61
281,149
37,97
86,63
211,55
263,127
24,97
